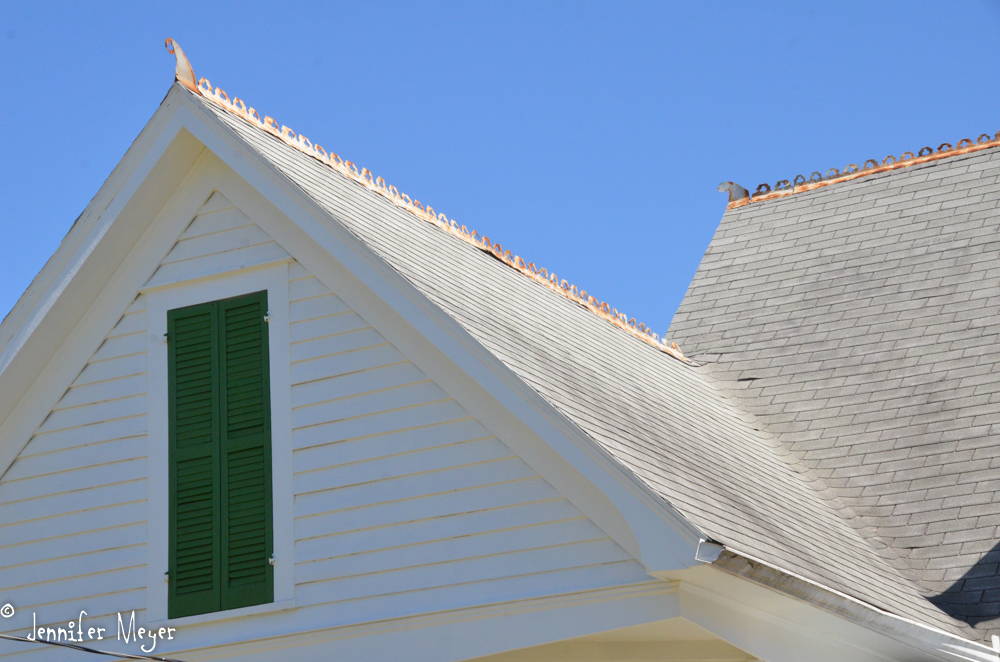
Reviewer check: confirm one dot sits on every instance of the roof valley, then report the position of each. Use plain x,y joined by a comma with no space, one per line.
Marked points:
866,528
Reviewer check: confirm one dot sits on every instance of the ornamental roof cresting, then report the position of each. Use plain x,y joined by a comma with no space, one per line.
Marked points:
817,180
363,176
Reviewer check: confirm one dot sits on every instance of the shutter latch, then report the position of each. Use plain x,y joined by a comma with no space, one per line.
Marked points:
166,577
267,318
165,339
273,560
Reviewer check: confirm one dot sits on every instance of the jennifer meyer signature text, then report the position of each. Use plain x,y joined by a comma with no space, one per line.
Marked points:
75,633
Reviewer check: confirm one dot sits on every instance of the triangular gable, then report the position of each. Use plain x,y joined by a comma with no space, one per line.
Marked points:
390,474
170,156
401,498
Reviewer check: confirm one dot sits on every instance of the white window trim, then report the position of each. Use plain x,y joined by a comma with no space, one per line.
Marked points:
274,279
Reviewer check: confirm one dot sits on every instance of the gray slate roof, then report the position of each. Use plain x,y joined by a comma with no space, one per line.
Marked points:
659,417
860,323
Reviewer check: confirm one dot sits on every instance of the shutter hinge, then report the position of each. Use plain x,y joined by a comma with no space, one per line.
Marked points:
166,577
273,560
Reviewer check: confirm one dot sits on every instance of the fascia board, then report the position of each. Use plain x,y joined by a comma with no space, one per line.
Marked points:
771,624
62,330
654,533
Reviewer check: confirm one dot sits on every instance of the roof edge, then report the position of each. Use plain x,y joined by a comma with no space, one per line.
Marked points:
858,611
365,177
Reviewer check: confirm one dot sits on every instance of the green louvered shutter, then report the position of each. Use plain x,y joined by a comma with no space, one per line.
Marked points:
247,575
220,457
195,505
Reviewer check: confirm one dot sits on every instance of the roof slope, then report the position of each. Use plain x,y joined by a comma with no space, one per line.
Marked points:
652,412
862,321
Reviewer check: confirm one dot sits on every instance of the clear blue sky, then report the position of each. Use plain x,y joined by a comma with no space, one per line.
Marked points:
588,137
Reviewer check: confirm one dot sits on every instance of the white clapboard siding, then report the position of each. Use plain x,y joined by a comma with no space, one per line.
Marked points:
404,503
400,492
43,507
73,459
73,503
220,239
433,529
45,535
454,595
439,506
43,572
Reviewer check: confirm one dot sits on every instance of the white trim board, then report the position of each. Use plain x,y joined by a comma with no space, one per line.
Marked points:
449,636
779,628
273,279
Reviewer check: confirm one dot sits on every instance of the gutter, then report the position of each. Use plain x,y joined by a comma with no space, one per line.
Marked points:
902,629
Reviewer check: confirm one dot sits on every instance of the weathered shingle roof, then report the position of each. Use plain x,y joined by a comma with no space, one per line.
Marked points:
861,322
656,414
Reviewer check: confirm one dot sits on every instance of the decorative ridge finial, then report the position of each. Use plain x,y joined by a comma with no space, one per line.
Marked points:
184,74
736,192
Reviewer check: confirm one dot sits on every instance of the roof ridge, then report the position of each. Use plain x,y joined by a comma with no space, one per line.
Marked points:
364,177
800,184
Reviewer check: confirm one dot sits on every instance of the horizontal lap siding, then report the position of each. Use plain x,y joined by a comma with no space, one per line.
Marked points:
404,502
73,503
220,239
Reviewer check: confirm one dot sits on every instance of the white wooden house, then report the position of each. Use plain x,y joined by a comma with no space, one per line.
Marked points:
264,399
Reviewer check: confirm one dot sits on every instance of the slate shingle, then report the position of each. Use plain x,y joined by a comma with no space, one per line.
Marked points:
910,259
